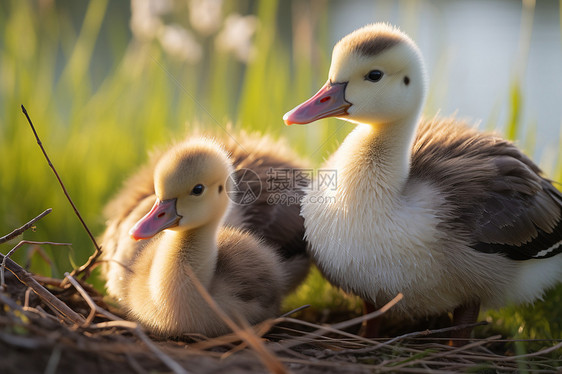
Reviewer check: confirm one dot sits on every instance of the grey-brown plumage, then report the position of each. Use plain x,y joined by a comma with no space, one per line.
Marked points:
495,195
271,216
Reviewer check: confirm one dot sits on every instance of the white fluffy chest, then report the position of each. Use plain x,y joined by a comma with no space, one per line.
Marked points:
371,248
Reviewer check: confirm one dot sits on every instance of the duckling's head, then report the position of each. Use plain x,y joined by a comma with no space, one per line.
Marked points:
190,182
377,76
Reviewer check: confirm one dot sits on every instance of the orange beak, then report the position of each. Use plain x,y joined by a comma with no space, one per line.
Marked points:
329,101
163,215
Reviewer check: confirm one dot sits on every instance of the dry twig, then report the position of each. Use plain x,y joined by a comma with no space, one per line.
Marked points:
84,269
406,336
48,298
338,327
93,306
135,328
14,234
118,322
13,250
25,227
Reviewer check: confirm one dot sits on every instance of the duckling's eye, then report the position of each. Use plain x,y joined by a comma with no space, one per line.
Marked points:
374,75
197,190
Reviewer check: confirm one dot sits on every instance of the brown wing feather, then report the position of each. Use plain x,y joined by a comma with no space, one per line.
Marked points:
495,195
275,214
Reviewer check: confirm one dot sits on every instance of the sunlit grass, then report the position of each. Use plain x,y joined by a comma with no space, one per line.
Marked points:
101,102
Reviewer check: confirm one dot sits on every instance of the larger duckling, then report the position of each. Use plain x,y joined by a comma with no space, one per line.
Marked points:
448,216
175,217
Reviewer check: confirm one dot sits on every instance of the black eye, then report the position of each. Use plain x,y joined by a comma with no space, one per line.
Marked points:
197,190
374,76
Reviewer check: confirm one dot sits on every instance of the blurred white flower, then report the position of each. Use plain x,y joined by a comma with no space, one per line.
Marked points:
236,36
205,16
180,43
160,7
145,22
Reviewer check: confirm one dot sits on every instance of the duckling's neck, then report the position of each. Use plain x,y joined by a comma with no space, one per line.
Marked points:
194,248
375,159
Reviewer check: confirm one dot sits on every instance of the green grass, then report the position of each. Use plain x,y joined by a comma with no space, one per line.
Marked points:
100,104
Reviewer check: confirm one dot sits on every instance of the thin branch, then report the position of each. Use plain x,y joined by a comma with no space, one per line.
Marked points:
449,352
171,363
119,322
206,343
338,327
501,358
296,310
27,297
405,336
319,332
135,328
25,227
369,316
110,324
48,298
13,250
95,308
86,267
533,354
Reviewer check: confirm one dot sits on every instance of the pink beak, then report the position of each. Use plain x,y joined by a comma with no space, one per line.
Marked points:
328,102
162,216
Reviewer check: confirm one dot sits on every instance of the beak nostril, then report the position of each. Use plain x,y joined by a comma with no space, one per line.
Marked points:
324,99
161,215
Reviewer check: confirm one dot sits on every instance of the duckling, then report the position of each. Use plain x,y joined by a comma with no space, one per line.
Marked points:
451,217
175,217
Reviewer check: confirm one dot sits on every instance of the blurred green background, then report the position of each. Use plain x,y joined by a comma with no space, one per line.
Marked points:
107,81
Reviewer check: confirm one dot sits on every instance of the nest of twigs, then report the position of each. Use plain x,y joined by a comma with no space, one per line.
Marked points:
63,325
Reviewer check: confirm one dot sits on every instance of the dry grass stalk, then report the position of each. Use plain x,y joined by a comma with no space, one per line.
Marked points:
245,332
337,328
408,335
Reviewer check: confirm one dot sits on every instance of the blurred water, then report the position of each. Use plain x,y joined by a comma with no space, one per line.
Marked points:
472,49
